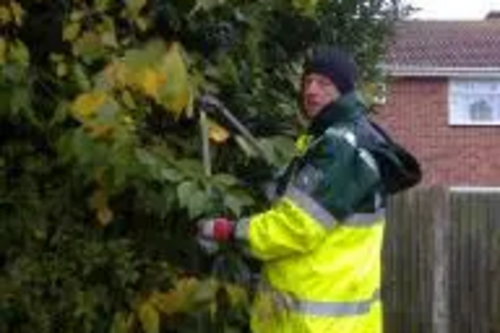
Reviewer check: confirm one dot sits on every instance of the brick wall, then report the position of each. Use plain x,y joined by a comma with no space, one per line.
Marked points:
416,114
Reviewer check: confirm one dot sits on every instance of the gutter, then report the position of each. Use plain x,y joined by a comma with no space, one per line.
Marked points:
423,71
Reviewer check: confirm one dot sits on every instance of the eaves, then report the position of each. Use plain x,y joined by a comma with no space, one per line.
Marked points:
420,71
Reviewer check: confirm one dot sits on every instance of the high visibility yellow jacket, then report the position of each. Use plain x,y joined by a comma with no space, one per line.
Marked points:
321,240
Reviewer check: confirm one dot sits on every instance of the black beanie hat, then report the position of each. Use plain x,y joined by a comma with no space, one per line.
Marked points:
335,64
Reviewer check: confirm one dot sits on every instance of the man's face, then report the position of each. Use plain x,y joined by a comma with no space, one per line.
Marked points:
317,92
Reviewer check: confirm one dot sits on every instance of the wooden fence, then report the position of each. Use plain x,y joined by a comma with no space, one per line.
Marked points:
442,263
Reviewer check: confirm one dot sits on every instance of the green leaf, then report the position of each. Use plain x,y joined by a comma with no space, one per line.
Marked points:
171,175
108,35
60,114
19,52
145,157
120,323
225,179
191,168
88,46
81,78
128,100
247,149
236,200
103,5
20,100
184,192
199,203
208,4
108,112
194,198
135,5
156,167
279,149
142,58
307,7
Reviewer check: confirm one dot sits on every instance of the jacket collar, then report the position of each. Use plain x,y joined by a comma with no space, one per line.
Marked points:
345,109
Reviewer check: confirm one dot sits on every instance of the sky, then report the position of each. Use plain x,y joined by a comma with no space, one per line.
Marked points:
454,9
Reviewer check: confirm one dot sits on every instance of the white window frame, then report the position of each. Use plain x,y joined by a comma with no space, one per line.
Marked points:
474,189
466,91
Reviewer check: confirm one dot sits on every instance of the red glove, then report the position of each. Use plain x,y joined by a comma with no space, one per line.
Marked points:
219,229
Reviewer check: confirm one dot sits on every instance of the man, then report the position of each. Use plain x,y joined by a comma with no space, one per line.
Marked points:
320,242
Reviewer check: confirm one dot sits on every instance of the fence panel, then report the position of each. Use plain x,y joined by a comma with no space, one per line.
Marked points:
442,263
407,274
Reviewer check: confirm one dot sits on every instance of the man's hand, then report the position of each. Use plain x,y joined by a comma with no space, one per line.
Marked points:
213,232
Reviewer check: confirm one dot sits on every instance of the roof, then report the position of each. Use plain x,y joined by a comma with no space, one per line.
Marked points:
446,44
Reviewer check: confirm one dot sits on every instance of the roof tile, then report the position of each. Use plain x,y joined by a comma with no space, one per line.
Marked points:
451,44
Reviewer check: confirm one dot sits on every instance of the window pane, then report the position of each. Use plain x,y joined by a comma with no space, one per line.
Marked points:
474,102
480,110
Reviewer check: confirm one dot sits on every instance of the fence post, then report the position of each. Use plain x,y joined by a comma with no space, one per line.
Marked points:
442,231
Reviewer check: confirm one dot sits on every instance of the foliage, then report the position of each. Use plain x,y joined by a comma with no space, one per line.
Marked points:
101,171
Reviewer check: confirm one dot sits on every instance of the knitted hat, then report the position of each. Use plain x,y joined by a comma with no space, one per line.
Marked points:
335,64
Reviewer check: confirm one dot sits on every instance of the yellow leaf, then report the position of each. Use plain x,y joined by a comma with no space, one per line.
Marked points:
76,15
265,306
149,318
177,103
237,294
5,16
151,81
115,74
176,93
3,51
99,201
142,23
99,131
17,12
203,293
157,72
71,31
168,303
217,132
61,69
127,120
86,105
108,38
104,215
122,323
128,100
187,295
18,52
89,42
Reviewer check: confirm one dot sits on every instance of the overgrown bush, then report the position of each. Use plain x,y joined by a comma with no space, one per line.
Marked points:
101,169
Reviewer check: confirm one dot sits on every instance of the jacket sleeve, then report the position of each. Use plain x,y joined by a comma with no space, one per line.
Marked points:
323,191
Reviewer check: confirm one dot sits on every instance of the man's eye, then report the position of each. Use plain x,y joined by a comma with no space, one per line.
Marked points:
324,83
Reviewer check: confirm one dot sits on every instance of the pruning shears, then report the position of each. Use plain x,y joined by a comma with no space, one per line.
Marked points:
228,266
210,104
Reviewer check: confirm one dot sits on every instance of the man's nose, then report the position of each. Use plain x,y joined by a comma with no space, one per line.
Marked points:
312,87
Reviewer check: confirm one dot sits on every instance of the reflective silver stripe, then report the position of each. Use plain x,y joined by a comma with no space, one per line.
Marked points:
343,133
241,231
333,309
369,160
326,219
364,219
350,137
307,203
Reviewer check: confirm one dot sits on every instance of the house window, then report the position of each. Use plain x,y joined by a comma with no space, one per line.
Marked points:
474,102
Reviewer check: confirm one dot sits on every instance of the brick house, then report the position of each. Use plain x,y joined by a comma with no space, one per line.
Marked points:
443,98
